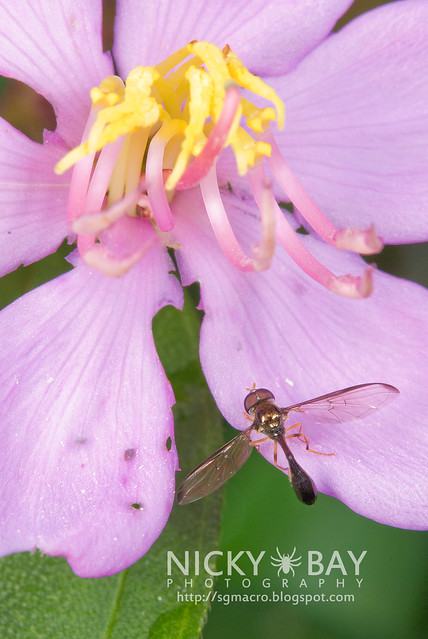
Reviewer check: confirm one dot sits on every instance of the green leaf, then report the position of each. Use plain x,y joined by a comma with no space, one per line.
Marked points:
41,597
25,278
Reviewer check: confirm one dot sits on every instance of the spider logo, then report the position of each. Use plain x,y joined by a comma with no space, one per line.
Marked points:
286,562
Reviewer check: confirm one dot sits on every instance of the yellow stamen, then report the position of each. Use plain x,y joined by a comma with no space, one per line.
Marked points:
172,61
217,68
257,119
118,177
201,94
137,148
251,82
188,87
136,111
110,91
247,150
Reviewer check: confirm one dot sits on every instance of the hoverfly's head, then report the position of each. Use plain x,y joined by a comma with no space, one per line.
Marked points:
255,397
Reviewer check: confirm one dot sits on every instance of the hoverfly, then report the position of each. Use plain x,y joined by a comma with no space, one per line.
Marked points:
269,420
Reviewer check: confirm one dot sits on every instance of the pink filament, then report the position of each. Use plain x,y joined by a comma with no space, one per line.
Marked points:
102,174
201,165
357,240
81,177
262,253
221,225
347,285
95,195
155,181
94,222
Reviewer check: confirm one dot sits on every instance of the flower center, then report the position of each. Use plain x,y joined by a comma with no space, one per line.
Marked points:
162,131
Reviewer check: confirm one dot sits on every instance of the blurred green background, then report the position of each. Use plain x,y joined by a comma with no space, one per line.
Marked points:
259,510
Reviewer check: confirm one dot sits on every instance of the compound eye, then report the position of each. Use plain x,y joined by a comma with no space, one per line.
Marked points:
255,397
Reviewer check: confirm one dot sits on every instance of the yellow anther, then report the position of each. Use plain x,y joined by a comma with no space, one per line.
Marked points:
263,148
258,121
189,89
164,93
217,68
251,82
136,110
172,61
201,93
247,151
110,91
140,82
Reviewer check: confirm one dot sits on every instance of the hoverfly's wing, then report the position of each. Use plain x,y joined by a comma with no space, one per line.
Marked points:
347,404
216,469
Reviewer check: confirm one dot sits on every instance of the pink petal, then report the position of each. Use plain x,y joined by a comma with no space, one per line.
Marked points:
86,420
271,37
33,200
285,333
356,130
56,48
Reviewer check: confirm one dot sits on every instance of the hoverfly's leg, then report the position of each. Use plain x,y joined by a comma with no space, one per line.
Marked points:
299,435
294,426
257,443
310,450
253,387
305,440
275,457
302,438
247,416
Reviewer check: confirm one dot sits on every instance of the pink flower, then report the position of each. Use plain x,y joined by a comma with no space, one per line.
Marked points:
88,457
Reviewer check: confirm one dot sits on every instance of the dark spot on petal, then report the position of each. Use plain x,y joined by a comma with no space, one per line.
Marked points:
137,506
168,443
81,440
129,454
